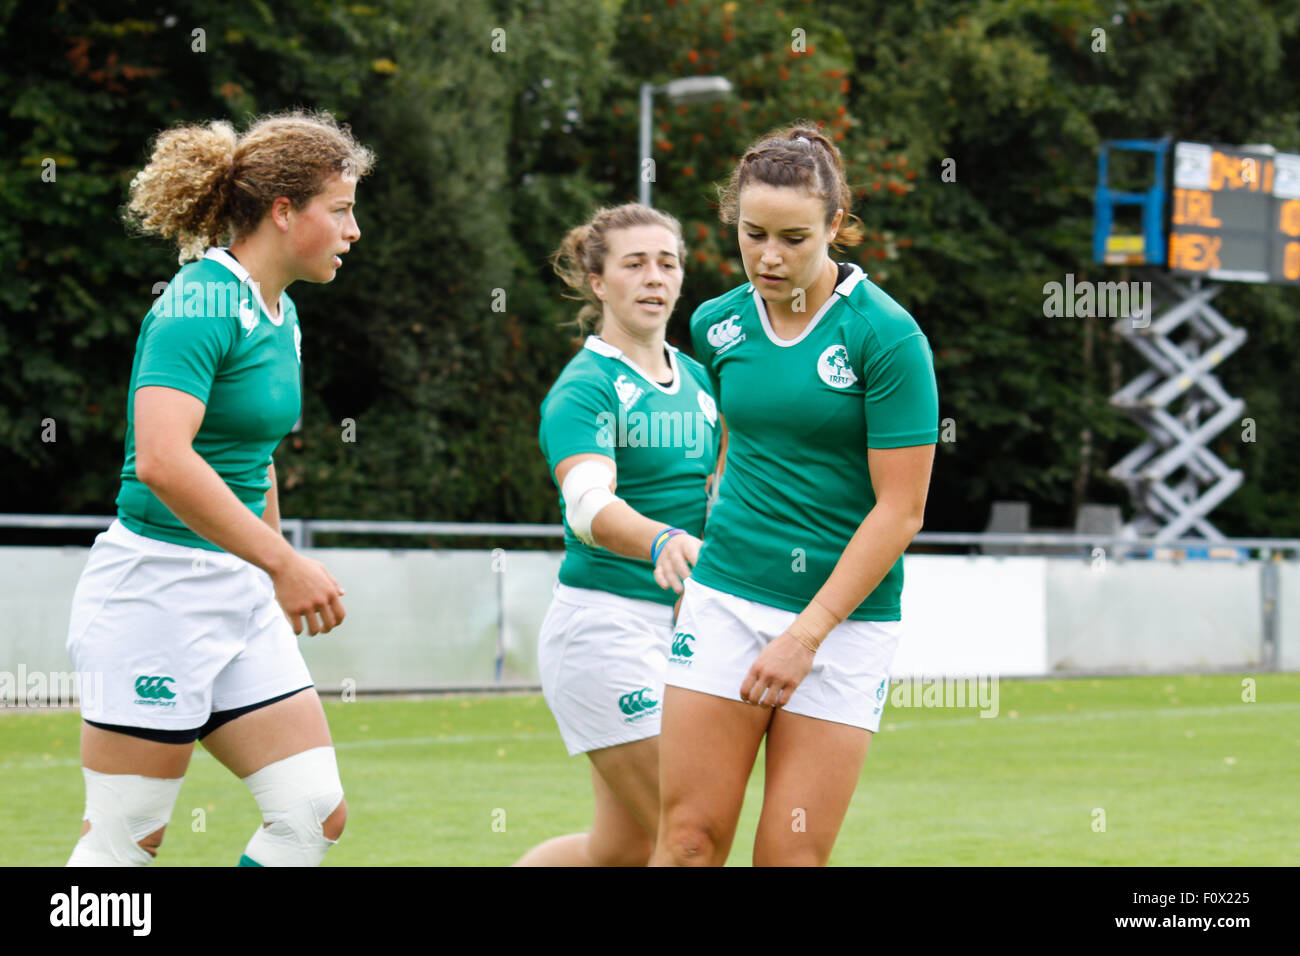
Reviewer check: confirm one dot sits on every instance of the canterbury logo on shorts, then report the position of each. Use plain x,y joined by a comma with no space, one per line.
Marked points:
638,703
681,645
154,690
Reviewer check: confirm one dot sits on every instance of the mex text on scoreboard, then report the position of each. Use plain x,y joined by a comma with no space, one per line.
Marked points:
1235,214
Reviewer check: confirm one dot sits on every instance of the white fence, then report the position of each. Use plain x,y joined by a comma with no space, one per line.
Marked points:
425,620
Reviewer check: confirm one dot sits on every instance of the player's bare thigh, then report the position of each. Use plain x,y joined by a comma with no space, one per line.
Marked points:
812,769
630,773
707,746
261,737
626,813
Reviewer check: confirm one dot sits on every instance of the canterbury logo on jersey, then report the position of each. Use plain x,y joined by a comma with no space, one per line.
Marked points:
681,645
248,317
638,702
834,369
627,391
154,688
723,335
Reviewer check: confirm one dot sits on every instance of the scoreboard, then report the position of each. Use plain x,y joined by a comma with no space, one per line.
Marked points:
1234,214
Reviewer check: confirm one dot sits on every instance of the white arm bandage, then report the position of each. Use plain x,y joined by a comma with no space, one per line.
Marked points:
586,492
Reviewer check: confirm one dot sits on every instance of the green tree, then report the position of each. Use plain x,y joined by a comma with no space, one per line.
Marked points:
970,130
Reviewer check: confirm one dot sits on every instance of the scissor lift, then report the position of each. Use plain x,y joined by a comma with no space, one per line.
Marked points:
1178,401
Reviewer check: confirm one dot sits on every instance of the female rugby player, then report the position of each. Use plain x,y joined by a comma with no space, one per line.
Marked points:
628,413
190,601
792,614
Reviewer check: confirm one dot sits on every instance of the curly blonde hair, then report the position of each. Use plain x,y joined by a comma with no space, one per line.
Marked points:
815,166
585,247
205,185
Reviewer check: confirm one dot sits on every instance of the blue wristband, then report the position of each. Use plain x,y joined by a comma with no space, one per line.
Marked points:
661,541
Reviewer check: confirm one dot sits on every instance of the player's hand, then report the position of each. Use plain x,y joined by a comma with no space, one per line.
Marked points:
777,671
676,559
308,592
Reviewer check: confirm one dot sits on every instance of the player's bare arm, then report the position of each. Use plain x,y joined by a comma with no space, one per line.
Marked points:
166,421
901,479
622,529
271,513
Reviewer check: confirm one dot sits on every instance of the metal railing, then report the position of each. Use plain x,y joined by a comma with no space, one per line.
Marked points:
302,531
1268,552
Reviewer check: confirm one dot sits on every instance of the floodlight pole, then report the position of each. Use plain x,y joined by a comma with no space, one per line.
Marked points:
648,91
691,89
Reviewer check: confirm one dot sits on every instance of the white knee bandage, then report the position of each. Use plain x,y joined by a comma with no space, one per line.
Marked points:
296,795
586,492
122,809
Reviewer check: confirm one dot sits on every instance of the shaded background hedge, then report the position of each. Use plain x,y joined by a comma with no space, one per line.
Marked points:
444,330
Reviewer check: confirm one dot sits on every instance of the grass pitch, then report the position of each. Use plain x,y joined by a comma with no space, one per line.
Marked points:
1179,770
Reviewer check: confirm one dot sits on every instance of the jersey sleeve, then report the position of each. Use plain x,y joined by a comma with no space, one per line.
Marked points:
902,398
577,420
184,352
703,350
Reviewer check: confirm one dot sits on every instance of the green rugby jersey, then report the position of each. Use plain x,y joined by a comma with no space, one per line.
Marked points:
801,414
664,442
209,334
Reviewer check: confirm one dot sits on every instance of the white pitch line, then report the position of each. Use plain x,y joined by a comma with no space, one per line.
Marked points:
1215,711
201,754
888,726
38,764
444,739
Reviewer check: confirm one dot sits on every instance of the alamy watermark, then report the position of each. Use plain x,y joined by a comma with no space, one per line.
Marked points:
25,688
75,908
183,298
690,431
1115,300
979,691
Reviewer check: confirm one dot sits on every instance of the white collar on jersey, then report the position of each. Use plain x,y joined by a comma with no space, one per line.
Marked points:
598,345
224,257
841,291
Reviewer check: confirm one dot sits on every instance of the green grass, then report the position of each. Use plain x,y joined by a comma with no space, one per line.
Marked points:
1185,771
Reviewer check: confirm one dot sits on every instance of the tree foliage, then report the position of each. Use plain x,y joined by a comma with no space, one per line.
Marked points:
499,126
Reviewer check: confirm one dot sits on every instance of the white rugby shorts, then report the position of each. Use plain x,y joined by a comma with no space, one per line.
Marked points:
601,658
169,634
718,637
